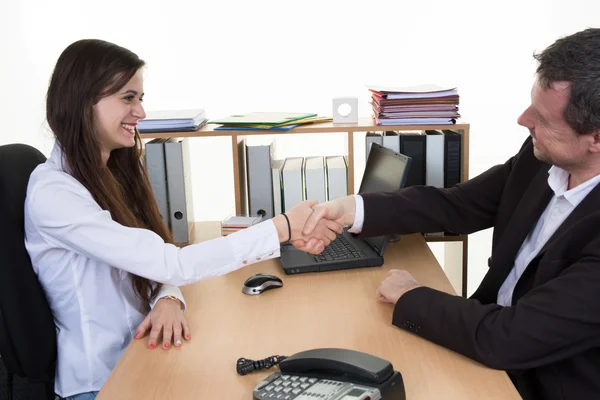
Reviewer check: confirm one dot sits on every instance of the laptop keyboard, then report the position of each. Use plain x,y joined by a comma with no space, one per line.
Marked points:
339,249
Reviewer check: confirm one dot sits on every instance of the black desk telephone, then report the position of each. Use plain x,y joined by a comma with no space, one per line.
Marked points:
332,374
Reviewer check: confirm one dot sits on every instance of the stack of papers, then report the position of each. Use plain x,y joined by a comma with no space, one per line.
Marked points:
172,121
276,121
235,223
416,105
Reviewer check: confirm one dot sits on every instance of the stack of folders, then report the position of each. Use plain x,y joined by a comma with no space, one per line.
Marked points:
168,166
172,121
235,223
417,105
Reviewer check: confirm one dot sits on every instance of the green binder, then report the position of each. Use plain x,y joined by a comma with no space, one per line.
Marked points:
264,118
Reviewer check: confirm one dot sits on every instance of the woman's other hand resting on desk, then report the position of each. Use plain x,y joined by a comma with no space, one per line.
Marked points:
320,236
167,318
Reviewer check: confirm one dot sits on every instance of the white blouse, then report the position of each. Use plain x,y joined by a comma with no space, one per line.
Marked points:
85,261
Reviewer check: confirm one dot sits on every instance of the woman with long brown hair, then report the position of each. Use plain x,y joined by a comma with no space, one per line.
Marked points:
94,233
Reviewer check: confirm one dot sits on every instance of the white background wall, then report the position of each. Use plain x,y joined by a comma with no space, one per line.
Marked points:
266,55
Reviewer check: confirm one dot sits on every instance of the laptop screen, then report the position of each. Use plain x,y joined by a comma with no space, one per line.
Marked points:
385,171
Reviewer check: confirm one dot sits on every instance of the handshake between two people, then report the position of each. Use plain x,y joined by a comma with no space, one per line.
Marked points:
312,226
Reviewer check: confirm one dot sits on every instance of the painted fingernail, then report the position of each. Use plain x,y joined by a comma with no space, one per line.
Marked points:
178,342
151,345
166,345
137,334
188,337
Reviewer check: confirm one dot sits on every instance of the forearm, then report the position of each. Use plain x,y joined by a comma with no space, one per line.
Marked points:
464,208
548,325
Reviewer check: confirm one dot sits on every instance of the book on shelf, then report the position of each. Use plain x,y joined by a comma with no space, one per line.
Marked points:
172,120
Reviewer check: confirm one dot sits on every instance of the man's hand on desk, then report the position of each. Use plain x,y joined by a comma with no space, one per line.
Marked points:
166,317
395,285
323,233
339,211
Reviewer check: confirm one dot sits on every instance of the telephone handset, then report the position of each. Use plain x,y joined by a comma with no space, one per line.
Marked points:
332,374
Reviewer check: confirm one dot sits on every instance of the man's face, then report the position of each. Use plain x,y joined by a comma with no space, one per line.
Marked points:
554,141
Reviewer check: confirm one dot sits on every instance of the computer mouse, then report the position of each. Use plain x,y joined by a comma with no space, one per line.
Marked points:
258,283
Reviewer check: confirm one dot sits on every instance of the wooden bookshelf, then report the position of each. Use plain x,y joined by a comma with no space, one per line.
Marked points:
455,265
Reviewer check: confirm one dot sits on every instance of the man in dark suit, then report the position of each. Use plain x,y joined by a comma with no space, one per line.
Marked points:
536,313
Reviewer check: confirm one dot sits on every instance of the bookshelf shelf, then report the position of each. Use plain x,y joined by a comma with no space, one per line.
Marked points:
455,267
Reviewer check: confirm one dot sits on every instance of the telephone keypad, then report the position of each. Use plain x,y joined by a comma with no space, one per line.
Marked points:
295,387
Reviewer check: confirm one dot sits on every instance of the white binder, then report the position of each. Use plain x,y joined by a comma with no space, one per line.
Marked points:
314,178
157,175
276,168
434,159
293,183
260,181
181,213
337,177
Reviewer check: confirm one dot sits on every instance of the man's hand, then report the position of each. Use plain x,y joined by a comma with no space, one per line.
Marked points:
324,232
167,318
395,285
340,211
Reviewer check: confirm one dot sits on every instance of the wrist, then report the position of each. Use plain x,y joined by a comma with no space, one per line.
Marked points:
173,299
348,205
281,225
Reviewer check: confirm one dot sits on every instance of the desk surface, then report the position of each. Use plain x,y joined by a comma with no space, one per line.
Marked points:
333,309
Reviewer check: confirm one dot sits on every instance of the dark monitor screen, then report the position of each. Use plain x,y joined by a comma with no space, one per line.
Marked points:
385,171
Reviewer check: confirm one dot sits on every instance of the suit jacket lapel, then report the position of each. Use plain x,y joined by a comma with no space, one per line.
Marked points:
530,208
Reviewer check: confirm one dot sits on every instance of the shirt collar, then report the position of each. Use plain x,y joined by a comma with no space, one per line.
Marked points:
58,158
558,180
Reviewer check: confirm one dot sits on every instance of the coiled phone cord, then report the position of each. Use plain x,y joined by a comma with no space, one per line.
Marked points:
245,366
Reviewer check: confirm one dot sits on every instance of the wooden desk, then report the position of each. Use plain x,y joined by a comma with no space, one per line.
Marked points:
333,309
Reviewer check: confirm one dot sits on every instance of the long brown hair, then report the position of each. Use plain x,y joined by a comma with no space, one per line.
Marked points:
87,71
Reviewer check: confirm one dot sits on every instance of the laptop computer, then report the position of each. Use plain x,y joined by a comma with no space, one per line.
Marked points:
385,171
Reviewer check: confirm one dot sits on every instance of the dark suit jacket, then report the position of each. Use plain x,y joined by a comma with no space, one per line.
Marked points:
548,340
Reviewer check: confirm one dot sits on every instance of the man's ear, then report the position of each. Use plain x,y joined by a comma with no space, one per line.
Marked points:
595,142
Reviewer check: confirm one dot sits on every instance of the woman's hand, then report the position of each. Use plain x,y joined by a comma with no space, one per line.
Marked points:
323,232
167,318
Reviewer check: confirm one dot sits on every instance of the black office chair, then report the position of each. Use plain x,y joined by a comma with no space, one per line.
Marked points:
27,330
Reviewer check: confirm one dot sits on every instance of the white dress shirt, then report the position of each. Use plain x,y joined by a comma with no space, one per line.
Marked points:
359,214
561,205
85,261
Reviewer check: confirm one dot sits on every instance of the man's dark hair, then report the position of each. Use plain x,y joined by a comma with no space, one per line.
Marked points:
576,59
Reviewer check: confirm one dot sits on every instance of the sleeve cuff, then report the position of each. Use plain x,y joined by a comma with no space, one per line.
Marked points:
359,215
249,250
168,290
